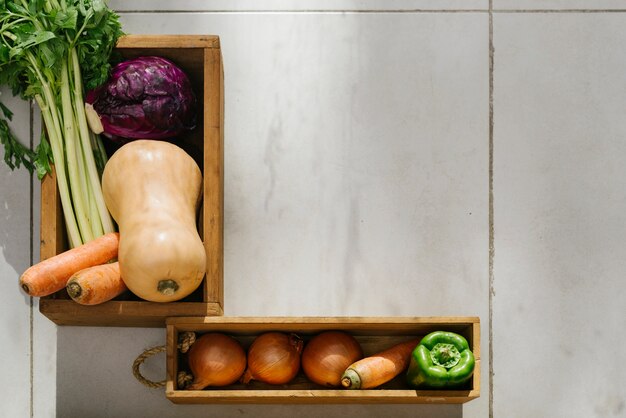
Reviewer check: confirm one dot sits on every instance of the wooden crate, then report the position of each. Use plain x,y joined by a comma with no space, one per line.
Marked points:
374,334
200,57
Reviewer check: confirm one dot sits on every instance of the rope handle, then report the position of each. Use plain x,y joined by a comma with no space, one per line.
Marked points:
185,340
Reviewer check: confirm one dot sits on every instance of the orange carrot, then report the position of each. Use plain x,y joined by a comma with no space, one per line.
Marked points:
51,275
373,371
97,284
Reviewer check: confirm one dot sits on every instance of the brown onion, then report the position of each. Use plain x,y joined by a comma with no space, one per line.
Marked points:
327,355
273,357
216,359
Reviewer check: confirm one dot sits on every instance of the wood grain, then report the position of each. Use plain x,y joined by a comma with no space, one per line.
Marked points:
213,208
168,41
52,231
122,313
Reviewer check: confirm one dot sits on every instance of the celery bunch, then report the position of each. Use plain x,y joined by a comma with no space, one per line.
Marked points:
51,51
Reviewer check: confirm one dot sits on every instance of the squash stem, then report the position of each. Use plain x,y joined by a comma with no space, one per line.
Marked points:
167,287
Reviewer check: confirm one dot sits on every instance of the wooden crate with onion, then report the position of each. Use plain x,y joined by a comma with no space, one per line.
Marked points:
374,334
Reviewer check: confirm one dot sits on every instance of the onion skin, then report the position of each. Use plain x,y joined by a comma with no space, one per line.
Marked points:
216,359
327,355
274,358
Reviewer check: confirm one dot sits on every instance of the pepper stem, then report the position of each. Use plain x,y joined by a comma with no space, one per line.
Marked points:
445,355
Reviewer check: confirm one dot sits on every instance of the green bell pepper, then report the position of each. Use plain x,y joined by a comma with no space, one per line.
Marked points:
441,359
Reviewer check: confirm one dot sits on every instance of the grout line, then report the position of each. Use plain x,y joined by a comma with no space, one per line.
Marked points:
491,207
31,259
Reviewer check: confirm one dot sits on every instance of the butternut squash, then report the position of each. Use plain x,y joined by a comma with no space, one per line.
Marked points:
153,189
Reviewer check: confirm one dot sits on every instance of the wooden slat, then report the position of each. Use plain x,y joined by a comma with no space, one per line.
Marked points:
52,227
476,340
321,396
315,321
168,41
171,344
122,313
213,207
476,377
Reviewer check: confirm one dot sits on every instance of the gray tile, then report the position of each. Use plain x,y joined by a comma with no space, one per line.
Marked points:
14,259
559,5
356,162
298,6
356,152
560,199
44,364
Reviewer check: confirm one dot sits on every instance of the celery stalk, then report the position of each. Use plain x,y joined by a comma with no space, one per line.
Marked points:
73,151
85,137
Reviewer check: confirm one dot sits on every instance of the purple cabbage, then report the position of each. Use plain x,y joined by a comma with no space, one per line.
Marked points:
146,97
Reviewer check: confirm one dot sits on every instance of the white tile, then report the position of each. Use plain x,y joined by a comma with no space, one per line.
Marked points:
559,5
44,364
356,151
14,259
299,6
560,200
356,162
44,330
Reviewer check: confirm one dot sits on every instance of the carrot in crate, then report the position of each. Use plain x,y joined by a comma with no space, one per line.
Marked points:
379,368
95,285
51,275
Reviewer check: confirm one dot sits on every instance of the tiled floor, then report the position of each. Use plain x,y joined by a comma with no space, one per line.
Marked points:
560,195
379,163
